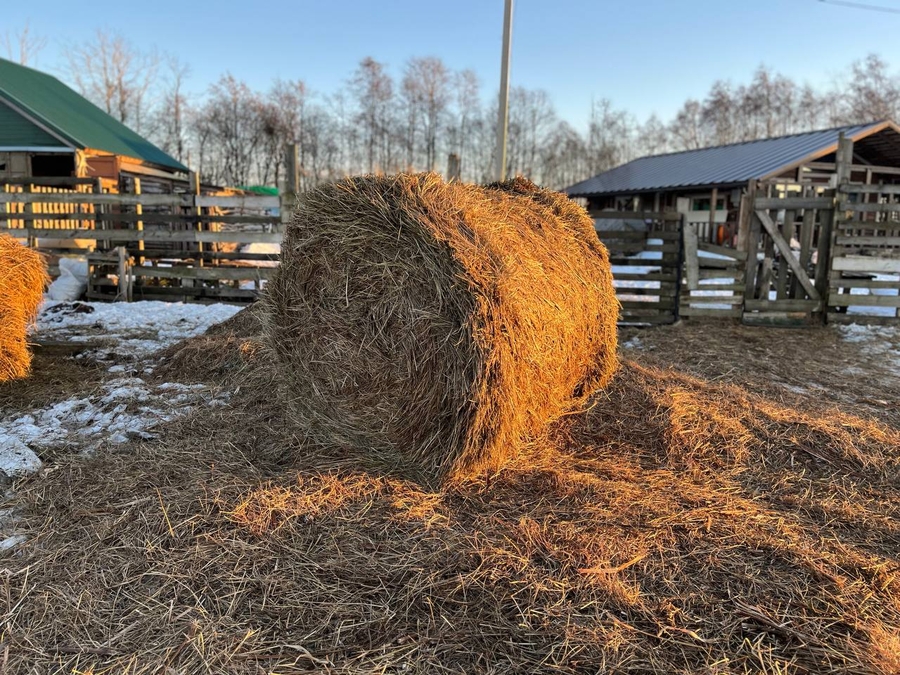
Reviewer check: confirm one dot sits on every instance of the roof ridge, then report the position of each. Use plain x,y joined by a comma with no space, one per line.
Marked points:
759,140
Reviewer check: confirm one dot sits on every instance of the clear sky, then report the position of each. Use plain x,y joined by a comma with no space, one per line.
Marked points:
645,55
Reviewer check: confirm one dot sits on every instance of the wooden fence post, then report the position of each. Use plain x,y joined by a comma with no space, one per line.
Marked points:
830,223
139,224
197,211
453,167
748,239
292,183
98,210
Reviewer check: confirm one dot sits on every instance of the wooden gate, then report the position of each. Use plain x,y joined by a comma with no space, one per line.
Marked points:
787,244
713,279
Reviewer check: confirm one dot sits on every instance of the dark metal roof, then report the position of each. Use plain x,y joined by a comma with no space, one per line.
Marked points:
73,118
719,165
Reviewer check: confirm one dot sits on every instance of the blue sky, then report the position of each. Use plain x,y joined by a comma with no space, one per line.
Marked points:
645,55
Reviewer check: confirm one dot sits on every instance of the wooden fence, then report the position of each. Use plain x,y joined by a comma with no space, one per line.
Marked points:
864,277
811,255
179,246
646,264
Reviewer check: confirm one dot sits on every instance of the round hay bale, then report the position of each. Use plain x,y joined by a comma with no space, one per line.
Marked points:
23,276
438,326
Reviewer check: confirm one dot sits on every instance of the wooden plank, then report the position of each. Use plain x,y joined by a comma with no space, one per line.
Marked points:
765,203
255,202
878,188
735,286
650,276
806,237
787,229
638,247
91,198
883,226
637,262
848,300
689,311
46,181
780,319
209,273
662,303
786,253
873,208
865,264
637,234
174,218
165,235
691,266
701,300
823,250
867,241
671,216
839,283
723,250
790,305
628,290
750,242
735,273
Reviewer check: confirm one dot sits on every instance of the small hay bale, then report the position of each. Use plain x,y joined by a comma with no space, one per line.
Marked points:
438,326
23,276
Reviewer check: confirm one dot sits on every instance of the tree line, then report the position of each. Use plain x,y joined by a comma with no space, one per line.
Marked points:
380,120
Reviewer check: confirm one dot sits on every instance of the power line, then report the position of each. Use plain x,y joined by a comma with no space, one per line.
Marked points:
862,5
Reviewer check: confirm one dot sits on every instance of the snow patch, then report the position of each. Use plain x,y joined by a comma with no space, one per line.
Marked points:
16,458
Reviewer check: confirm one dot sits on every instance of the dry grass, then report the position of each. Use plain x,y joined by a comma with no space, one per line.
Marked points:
23,275
678,526
435,326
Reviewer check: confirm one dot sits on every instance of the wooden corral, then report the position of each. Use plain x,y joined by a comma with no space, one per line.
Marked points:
816,241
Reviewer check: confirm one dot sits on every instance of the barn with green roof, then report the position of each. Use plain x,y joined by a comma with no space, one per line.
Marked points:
49,130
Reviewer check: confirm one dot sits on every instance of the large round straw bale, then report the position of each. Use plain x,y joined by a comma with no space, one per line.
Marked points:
23,276
438,326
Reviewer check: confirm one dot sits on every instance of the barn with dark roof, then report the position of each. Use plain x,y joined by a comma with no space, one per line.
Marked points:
706,184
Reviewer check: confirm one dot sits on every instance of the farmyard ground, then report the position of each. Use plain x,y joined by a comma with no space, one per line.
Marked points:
730,504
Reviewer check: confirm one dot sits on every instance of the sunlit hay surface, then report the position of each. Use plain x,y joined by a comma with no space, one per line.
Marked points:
23,275
678,526
438,326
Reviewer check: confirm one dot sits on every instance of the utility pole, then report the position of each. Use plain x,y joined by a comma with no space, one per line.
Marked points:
504,91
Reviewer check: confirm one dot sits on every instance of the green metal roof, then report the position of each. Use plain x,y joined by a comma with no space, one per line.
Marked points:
67,114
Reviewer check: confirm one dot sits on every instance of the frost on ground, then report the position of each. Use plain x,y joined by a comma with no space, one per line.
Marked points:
882,342
123,407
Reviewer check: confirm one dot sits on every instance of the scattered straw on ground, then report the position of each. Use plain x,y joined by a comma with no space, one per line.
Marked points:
23,275
438,326
678,526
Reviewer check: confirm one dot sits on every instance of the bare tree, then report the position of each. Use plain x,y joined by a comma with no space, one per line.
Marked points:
872,92
373,90
428,82
23,46
687,127
232,120
172,113
114,75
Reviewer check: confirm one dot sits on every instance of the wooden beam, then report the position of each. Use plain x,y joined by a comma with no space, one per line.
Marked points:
691,266
786,253
866,264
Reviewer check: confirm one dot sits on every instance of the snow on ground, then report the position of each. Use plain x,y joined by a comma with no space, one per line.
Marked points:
128,330
121,408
